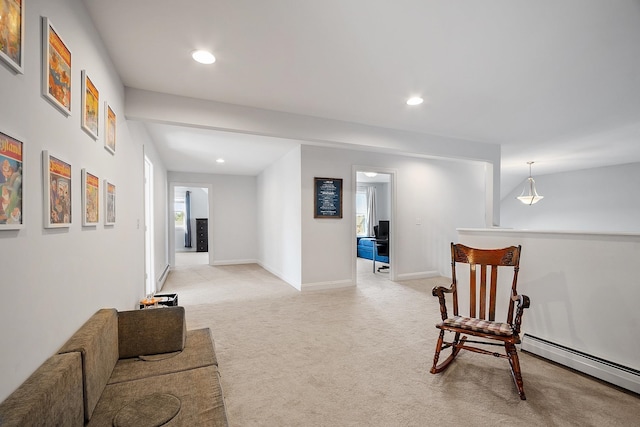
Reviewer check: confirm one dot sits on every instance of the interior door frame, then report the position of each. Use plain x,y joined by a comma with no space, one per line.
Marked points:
150,283
172,222
392,223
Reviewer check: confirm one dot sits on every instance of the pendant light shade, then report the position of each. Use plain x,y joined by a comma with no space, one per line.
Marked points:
529,194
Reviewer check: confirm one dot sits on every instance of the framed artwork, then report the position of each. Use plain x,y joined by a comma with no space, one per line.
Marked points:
90,198
110,129
56,68
90,106
57,191
12,33
11,175
109,203
327,196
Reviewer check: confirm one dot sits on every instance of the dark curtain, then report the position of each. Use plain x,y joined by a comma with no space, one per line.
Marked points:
187,219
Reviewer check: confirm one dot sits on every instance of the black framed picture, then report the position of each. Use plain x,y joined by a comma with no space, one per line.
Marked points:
327,198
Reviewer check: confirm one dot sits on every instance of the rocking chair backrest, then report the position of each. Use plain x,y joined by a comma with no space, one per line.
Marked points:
485,259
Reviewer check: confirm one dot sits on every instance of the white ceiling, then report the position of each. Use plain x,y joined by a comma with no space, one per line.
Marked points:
197,150
553,81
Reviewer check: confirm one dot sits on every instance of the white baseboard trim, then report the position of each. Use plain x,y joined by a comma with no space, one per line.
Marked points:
418,275
605,370
323,286
235,262
290,282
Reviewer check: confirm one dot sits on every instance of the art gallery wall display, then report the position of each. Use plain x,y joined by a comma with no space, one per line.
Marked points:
90,198
57,191
90,106
12,33
327,198
11,175
109,203
110,129
56,68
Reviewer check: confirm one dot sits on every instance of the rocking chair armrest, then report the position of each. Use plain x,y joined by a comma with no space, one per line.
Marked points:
439,291
522,300
522,303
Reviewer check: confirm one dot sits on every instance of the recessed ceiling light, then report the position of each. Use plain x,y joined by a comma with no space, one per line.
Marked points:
203,57
416,100
220,160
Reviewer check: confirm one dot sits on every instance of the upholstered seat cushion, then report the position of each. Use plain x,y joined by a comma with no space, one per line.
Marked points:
199,391
152,410
479,325
198,352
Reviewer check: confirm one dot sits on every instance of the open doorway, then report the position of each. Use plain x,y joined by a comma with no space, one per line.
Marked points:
191,225
373,210
149,277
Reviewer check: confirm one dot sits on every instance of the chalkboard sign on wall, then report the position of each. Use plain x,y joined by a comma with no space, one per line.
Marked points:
327,198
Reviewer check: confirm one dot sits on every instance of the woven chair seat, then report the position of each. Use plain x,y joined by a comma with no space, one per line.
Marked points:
479,325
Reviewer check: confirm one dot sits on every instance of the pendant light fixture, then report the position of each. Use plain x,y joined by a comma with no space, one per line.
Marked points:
529,194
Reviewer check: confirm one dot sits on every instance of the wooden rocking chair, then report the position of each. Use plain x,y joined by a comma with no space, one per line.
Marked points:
481,320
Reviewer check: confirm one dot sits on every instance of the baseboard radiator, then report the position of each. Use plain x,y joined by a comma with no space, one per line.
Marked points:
163,277
622,376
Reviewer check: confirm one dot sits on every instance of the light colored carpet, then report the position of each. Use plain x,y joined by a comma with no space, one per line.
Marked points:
361,357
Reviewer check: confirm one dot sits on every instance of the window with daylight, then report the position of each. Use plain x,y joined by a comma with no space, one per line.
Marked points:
361,212
179,211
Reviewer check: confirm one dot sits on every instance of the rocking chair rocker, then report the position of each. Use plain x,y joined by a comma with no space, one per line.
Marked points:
482,324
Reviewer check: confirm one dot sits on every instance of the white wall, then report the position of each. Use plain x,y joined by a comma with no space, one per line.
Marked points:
233,219
599,199
199,204
383,200
279,220
433,198
583,289
53,280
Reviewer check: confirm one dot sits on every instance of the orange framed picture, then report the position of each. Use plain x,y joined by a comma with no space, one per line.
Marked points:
110,129
56,72
12,33
11,182
90,198
109,203
90,106
57,199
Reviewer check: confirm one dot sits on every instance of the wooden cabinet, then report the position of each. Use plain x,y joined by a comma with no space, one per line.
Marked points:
202,235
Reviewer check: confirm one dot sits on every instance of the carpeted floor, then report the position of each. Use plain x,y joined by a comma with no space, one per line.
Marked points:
361,357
